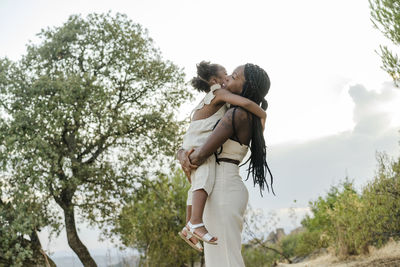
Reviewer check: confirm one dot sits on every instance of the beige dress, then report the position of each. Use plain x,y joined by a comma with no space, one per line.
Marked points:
224,210
196,135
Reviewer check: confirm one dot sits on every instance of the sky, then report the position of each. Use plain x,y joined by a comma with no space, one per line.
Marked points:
331,106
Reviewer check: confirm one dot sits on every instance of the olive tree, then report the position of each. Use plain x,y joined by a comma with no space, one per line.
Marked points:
385,15
84,113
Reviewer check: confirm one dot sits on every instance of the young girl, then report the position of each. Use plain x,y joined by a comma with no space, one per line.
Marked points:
210,79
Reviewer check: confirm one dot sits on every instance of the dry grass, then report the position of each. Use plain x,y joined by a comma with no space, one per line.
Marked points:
387,256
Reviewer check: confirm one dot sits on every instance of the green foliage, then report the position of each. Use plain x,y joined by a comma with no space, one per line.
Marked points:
320,226
309,241
347,231
84,114
87,107
290,244
13,226
257,256
385,14
352,222
19,221
323,205
150,222
335,222
344,220
381,198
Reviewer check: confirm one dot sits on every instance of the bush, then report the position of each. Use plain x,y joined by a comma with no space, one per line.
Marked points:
348,234
351,222
289,244
151,222
320,228
258,256
382,202
305,243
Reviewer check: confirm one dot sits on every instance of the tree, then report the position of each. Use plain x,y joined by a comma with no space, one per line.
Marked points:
84,112
385,15
150,222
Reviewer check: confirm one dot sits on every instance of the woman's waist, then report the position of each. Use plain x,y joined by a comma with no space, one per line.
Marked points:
227,170
233,161
227,177
231,156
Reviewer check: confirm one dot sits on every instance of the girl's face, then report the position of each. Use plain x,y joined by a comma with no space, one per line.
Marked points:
234,82
220,77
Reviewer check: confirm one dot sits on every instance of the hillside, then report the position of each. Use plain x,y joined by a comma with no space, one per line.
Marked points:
387,256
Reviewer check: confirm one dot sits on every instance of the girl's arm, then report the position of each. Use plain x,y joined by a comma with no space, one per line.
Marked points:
223,95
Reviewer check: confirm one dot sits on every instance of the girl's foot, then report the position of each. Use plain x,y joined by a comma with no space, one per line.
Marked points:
187,236
200,231
193,239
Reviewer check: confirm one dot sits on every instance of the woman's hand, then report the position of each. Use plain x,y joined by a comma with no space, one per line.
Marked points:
187,166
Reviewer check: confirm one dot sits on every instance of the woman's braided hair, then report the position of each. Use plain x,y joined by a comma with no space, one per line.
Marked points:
255,88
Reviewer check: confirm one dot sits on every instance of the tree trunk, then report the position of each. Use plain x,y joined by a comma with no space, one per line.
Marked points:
73,239
41,257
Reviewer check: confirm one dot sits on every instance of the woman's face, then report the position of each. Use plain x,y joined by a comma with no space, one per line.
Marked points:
234,82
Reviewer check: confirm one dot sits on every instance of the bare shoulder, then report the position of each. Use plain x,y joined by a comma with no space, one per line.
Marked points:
241,115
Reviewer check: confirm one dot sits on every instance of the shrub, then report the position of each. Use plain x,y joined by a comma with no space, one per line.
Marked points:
258,256
351,222
382,201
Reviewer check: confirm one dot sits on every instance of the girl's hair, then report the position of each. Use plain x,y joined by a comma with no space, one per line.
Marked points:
205,70
255,88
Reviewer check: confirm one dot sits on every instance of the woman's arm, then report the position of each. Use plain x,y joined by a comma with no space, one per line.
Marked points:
221,133
224,95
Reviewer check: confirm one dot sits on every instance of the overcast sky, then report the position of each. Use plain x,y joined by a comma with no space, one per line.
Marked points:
331,107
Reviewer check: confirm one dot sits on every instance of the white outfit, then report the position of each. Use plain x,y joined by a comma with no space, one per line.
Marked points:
196,135
224,210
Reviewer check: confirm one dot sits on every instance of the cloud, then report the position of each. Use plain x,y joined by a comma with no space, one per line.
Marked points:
369,116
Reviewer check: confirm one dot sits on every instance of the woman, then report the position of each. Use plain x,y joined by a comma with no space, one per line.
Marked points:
225,206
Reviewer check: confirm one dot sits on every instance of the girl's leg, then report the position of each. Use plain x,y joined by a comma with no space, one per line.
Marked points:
188,215
198,203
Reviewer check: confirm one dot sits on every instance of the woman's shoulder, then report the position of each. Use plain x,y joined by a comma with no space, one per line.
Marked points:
239,114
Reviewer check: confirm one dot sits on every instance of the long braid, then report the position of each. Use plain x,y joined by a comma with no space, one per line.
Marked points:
256,86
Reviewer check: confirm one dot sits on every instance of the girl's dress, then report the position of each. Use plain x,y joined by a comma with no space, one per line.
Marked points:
196,135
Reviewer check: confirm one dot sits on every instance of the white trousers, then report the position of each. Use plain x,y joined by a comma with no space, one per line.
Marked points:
223,217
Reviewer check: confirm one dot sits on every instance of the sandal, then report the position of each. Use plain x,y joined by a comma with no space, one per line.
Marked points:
186,238
205,238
